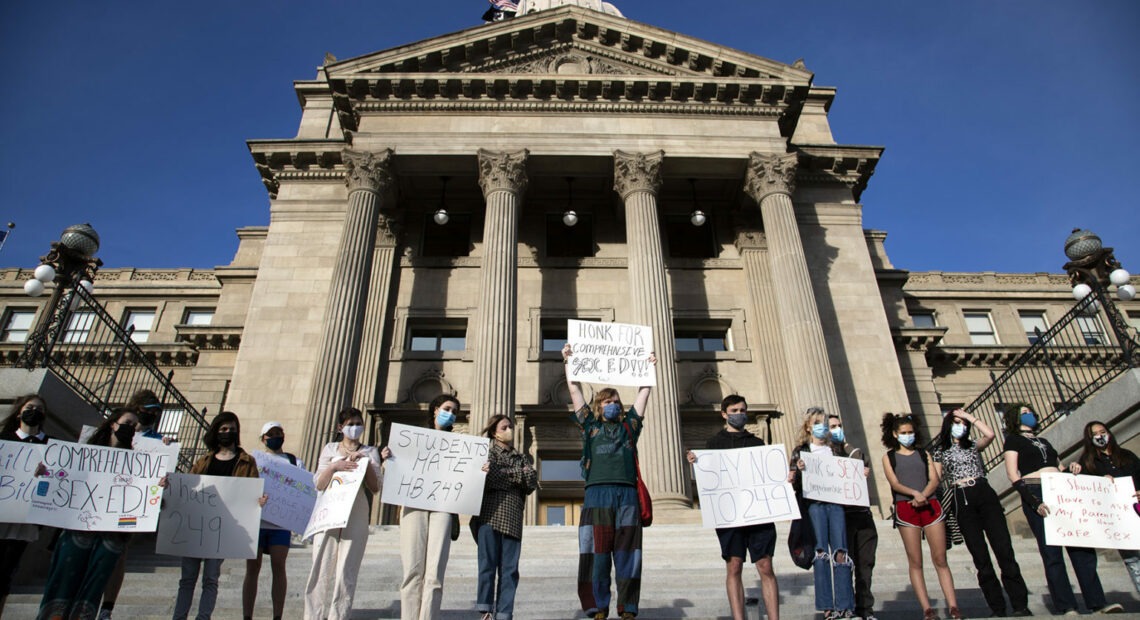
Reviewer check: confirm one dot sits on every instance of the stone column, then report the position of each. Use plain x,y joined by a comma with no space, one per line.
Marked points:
372,358
368,176
637,178
503,178
770,182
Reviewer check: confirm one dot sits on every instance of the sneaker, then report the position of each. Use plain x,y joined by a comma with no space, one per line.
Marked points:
1114,608
846,613
870,615
1019,613
105,614
601,615
628,615
929,614
487,616
955,613
1071,612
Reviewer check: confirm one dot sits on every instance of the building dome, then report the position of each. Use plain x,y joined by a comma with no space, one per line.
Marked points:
531,6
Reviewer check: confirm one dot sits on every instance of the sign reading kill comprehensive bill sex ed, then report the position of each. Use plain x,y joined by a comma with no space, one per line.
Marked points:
435,470
745,486
18,462
610,353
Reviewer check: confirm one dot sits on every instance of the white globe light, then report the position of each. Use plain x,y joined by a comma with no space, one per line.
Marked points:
34,287
45,273
1126,292
1119,277
570,218
441,217
86,285
698,218
1081,291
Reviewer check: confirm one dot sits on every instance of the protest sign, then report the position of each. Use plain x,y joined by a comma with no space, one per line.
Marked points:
610,353
18,461
1090,511
745,486
97,488
168,454
291,490
835,480
435,470
210,517
334,504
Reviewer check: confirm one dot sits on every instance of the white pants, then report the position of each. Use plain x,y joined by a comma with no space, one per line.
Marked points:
425,541
336,560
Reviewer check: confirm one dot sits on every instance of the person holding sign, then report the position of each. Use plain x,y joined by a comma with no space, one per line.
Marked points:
914,480
832,566
271,540
25,424
610,529
224,458
1102,456
83,561
499,526
758,541
979,511
337,552
862,535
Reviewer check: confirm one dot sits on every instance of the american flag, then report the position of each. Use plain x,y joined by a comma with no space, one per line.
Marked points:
504,5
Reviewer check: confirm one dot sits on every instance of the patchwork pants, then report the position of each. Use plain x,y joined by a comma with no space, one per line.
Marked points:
609,534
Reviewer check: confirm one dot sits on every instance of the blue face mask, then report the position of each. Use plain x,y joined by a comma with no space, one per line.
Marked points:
611,411
957,431
1029,419
837,434
444,418
906,439
819,430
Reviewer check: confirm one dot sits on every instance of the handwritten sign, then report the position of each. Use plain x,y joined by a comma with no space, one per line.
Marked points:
18,461
746,486
1090,511
835,480
291,490
167,453
97,488
210,517
334,505
435,470
610,353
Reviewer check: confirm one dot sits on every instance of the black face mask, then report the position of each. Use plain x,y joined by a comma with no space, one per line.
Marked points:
274,443
147,419
125,434
32,416
227,440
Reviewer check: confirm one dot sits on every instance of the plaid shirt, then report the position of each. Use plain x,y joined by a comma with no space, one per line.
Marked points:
510,479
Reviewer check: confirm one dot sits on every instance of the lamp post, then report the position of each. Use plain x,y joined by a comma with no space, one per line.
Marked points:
1093,267
70,264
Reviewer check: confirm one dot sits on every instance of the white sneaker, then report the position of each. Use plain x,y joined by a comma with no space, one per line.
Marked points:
1114,608
104,614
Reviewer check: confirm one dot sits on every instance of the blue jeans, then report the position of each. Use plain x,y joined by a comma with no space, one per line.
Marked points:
1083,560
833,586
190,569
498,556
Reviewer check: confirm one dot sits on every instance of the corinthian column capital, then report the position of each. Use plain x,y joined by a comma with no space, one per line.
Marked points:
368,171
637,172
770,174
502,170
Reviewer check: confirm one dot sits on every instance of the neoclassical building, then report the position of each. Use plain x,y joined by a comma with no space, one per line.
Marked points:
421,240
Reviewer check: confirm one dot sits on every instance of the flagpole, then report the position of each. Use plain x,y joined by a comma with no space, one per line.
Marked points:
7,233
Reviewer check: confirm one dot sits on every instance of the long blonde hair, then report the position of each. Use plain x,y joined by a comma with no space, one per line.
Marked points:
809,419
601,395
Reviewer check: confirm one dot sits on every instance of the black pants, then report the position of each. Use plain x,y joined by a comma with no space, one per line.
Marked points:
862,543
980,516
10,552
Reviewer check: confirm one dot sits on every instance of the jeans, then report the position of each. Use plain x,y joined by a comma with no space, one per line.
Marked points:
1132,563
833,589
980,516
190,569
862,545
1084,565
498,557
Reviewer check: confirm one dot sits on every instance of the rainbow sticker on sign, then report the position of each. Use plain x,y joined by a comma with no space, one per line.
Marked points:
126,521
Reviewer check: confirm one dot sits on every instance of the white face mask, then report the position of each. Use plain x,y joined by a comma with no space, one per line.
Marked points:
353,432
957,430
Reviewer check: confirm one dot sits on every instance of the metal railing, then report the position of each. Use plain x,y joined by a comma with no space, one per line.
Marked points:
86,347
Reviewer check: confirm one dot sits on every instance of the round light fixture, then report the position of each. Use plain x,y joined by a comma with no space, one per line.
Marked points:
1081,291
570,218
1119,277
698,218
441,217
34,287
45,273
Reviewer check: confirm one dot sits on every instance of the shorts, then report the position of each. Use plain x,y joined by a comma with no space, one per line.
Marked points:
272,538
909,516
758,540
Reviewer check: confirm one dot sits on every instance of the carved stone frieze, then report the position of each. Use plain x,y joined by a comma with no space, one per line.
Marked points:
634,172
505,171
770,174
609,107
368,171
748,239
387,230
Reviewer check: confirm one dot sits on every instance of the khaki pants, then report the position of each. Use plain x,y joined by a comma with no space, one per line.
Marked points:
336,560
425,541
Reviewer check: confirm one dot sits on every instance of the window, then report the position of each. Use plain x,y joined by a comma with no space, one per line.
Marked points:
552,470
198,317
170,422
564,241
450,240
18,326
923,319
701,339
555,515
980,327
688,241
441,338
79,327
142,321
553,338
1091,330
1032,321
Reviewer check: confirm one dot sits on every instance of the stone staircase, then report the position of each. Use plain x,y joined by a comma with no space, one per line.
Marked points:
683,578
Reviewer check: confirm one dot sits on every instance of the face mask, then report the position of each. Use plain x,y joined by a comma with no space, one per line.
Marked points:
125,434
611,411
147,419
1100,441
444,418
505,436
274,443
32,416
227,439
737,420
352,431
1029,419
906,439
957,430
837,434
819,431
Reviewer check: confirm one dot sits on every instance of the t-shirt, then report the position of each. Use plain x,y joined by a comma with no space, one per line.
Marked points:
218,467
609,448
1033,453
960,463
910,470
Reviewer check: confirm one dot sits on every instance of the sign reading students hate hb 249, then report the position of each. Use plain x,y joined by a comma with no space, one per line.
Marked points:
610,353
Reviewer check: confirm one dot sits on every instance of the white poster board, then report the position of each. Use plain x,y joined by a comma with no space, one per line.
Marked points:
210,517
835,480
18,462
1090,511
97,488
435,470
610,353
291,490
745,486
334,505
167,453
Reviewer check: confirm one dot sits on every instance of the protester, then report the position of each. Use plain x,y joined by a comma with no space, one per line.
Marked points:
425,538
498,527
270,539
862,535
978,510
610,526
224,457
83,561
831,568
337,552
756,541
913,478
25,423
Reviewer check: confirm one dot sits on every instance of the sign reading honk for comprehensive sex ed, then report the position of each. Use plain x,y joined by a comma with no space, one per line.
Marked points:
610,353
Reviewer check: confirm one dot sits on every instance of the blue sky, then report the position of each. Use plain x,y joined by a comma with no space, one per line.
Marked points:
1005,123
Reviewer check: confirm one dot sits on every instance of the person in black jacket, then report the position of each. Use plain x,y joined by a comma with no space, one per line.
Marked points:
759,541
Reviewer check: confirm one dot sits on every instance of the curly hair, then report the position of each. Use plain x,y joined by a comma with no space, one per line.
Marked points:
891,424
